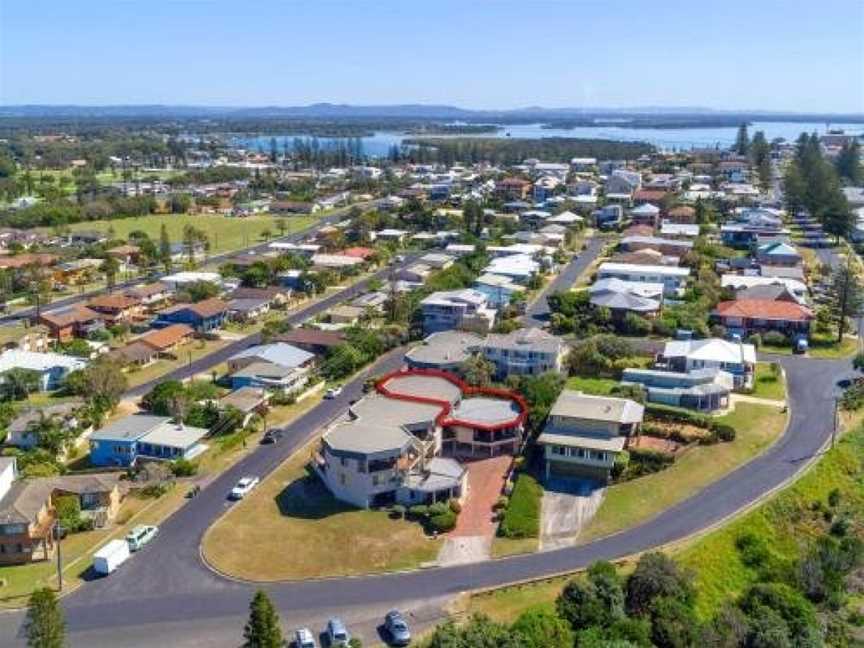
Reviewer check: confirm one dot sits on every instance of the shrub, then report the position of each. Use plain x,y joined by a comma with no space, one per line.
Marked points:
645,462
154,491
676,414
438,508
775,338
455,506
183,468
398,510
755,339
443,522
418,511
622,460
753,549
501,503
724,432
522,517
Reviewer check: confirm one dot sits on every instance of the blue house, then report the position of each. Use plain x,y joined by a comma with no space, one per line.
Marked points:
143,435
205,316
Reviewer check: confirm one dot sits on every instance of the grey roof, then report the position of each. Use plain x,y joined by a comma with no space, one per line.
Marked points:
440,473
129,428
31,415
425,387
531,339
446,347
366,437
488,411
279,353
264,370
575,404
245,399
27,496
383,411
246,304
624,301
175,436
608,444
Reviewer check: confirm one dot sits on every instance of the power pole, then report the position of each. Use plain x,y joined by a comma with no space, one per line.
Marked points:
836,421
57,533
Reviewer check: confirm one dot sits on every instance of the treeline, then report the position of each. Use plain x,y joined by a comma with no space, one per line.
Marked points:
507,151
812,183
210,175
67,212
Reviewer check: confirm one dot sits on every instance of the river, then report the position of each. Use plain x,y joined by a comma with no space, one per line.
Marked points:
380,143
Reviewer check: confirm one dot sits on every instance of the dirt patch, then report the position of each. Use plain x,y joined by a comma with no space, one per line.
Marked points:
655,444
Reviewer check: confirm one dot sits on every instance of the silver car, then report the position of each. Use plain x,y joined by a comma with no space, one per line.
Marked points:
398,632
337,633
303,638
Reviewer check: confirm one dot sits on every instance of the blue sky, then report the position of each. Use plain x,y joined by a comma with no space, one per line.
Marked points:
738,54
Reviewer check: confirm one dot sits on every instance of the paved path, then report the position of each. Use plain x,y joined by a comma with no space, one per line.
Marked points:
537,313
165,596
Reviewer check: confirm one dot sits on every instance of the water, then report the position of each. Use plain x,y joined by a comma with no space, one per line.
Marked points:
378,144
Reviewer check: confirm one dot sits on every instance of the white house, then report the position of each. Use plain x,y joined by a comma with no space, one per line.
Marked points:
673,279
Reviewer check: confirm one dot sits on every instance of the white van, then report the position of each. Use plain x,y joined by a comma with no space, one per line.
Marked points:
110,557
140,536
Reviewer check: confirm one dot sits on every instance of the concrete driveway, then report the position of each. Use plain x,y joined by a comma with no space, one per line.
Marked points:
568,505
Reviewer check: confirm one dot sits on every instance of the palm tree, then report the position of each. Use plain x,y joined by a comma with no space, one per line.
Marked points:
110,267
50,434
19,383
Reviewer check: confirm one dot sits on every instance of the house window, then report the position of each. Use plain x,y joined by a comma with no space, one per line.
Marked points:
343,479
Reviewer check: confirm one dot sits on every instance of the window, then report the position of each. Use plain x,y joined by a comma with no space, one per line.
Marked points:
343,479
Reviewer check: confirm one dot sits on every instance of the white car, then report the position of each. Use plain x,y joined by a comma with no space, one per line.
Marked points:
140,536
333,392
243,488
303,638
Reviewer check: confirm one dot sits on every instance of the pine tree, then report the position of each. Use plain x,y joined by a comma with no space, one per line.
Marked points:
262,629
45,626
165,248
847,297
742,141
848,163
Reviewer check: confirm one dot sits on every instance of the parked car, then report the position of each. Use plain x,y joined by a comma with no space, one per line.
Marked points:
398,632
303,638
271,436
337,633
110,557
801,344
140,536
243,488
333,392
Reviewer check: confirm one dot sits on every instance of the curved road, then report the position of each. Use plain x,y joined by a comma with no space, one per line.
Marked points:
167,596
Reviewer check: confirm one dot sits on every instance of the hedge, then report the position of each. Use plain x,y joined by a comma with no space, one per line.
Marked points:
522,516
677,414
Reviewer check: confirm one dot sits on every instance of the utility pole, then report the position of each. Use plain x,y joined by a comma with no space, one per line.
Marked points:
835,422
57,533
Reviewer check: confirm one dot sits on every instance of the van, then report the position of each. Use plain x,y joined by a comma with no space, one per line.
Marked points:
110,557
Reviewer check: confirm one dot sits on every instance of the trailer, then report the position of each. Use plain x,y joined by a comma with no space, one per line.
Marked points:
110,557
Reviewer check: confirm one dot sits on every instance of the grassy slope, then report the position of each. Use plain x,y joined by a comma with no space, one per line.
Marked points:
766,384
630,503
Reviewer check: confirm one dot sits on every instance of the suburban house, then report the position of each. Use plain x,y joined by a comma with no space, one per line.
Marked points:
519,268
388,447
760,315
740,283
622,297
513,189
608,217
673,279
529,352
28,515
72,321
736,358
204,316
50,368
116,307
165,341
623,182
669,247
645,214
584,434
273,295
144,436
445,350
499,290
312,340
464,309
134,354
705,390
20,433
150,295
248,309
275,366
778,253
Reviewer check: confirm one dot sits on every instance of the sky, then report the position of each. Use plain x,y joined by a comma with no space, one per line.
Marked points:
791,55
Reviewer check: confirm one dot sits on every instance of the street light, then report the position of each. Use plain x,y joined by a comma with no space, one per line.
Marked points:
58,532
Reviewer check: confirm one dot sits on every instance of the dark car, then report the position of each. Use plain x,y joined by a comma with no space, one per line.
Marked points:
398,632
271,436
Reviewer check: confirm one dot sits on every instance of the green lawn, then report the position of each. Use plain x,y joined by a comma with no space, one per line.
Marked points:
627,504
820,347
767,384
598,386
291,508
225,233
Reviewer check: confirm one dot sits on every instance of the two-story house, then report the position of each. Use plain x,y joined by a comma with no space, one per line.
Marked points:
525,352
673,278
464,309
736,358
204,317
584,434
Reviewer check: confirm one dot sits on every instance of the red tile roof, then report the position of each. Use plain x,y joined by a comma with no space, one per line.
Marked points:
358,252
766,309
165,338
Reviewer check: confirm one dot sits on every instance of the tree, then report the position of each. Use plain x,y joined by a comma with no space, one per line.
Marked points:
848,162
597,601
542,629
742,140
479,632
657,576
262,629
101,384
165,248
50,434
19,383
846,297
673,623
45,626
158,400
110,267
477,371
794,188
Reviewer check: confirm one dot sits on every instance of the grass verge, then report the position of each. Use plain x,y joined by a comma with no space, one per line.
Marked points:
767,383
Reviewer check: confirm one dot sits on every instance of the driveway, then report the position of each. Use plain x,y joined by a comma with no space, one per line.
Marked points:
568,505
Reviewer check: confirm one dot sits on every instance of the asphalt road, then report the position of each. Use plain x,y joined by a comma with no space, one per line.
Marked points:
336,216
537,313
166,596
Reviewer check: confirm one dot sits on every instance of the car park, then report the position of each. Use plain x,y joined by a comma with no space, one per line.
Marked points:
303,638
337,633
398,632
243,487
140,536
